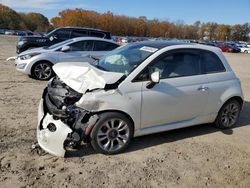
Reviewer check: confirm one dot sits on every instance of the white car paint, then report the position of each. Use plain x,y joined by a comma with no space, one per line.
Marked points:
55,55
172,103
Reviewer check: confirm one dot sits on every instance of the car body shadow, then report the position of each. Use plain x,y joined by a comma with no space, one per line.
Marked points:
152,140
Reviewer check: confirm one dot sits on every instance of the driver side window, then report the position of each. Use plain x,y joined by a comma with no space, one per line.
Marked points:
62,34
82,46
172,65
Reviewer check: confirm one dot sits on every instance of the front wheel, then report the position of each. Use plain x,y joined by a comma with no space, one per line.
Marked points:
112,133
246,51
42,71
228,115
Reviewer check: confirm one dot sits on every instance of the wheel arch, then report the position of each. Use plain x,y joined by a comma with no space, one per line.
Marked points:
236,97
217,122
121,112
40,61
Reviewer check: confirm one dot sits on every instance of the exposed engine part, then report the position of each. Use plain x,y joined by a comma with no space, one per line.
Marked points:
60,99
92,121
80,131
59,102
61,95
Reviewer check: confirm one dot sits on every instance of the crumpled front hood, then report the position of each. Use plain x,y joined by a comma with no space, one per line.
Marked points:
83,76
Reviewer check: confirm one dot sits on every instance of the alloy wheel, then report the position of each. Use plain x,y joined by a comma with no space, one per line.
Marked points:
42,71
230,115
113,135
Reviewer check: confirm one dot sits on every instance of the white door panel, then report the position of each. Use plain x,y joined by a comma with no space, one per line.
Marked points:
219,84
80,56
174,100
71,56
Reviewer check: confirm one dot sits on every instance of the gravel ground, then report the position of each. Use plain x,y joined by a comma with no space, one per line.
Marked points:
199,156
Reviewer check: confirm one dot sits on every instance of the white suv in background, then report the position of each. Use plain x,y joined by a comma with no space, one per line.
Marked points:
138,89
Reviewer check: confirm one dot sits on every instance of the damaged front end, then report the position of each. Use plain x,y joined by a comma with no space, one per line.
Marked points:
61,124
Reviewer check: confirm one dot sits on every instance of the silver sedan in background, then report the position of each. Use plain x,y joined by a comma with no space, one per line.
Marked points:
38,62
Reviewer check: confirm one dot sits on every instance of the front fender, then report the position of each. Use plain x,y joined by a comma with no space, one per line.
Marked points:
112,100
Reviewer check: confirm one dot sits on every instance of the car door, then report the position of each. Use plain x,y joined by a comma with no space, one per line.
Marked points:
59,36
180,95
79,52
219,80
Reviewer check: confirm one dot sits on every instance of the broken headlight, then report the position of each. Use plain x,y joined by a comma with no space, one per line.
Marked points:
61,94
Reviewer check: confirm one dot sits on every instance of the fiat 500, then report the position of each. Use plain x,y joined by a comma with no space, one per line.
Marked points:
139,89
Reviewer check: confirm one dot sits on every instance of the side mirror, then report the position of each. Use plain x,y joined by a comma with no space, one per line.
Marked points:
65,48
154,79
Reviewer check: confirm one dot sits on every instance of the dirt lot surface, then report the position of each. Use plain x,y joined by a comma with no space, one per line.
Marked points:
199,156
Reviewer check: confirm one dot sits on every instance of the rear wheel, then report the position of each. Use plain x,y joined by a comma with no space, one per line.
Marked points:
42,71
112,133
246,51
228,114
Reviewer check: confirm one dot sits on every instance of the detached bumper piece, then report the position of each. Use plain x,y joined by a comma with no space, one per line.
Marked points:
51,138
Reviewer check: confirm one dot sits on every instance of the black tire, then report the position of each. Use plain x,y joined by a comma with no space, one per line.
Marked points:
246,51
116,138
228,115
45,74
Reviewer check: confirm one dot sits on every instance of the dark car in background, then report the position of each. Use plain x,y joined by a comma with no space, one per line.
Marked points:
228,48
58,35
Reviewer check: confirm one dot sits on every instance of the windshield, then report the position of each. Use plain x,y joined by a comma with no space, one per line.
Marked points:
125,59
60,44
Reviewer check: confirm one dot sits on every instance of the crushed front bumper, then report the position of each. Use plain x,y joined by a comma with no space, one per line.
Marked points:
51,140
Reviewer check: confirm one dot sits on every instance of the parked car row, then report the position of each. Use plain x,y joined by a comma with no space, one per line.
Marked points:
16,32
244,48
233,47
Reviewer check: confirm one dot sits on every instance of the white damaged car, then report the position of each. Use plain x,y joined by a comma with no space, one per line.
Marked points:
135,90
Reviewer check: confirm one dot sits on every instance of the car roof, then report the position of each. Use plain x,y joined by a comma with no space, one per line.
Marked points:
92,38
86,28
160,44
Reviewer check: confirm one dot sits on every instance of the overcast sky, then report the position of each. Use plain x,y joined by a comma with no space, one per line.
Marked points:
189,11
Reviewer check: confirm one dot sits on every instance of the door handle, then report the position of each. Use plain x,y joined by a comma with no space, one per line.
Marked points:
203,88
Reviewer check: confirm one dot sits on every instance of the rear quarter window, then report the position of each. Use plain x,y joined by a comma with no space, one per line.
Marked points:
104,46
62,34
79,33
211,63
97,34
